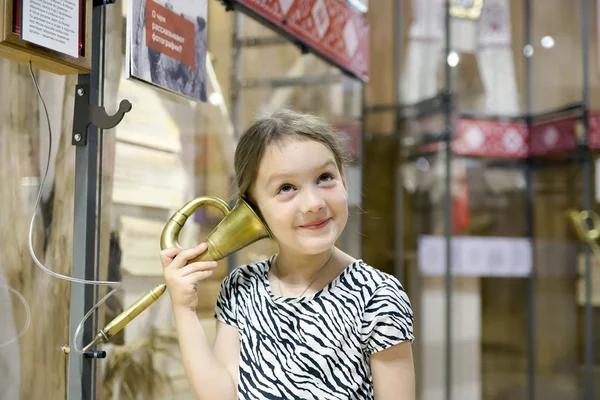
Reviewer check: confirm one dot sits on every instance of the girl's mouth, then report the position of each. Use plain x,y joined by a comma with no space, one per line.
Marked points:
317,224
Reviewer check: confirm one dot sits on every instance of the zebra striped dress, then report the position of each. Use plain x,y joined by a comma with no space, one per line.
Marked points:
318,346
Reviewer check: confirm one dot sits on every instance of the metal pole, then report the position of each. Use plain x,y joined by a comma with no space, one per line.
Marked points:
587,203
531,286
400,258
80,382
236,77
399,193
363,142
529,217
236,72
448,204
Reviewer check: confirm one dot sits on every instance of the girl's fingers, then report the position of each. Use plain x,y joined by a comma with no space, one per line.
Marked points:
198,266
167,255
199,275
184,256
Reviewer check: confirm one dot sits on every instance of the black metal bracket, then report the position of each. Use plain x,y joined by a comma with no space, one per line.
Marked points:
228,5
302,47
86,114
98,3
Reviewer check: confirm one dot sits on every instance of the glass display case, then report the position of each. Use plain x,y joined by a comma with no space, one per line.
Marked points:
496,131
167,150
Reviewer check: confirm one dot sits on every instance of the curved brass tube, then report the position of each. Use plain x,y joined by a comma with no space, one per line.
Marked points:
240,228
170,234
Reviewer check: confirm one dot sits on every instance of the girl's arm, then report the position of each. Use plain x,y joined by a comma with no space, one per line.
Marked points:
211,373
393,373
388,336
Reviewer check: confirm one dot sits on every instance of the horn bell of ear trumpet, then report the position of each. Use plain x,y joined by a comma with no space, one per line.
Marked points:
241,227
586,223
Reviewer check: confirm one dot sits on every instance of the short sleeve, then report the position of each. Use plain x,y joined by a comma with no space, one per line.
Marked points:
225,309
388,318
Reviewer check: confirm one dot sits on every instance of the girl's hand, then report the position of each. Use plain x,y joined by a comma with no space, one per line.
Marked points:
181,278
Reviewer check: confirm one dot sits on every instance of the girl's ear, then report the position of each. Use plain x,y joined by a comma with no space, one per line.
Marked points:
249,198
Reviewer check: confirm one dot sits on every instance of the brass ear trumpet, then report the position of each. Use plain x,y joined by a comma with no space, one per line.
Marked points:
587,225
240,228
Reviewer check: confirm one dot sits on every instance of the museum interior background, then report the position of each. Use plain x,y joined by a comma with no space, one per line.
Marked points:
505,113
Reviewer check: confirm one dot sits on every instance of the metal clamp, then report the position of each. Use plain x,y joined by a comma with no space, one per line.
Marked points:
86,114
87,354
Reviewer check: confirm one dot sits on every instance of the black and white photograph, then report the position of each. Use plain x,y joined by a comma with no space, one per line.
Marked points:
166,45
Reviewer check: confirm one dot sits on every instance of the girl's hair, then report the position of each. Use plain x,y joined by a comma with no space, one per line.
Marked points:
276,128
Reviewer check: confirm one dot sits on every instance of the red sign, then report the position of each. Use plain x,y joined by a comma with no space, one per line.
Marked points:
486,138
169,33
553,137
331,28
512,140
594,129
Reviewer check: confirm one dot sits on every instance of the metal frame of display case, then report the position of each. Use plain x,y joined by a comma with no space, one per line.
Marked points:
581,156
81,369
89,120
88,123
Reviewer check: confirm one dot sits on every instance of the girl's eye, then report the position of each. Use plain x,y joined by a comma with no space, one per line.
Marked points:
285,189
325,178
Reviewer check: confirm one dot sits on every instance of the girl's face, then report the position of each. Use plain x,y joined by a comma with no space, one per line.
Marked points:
302,196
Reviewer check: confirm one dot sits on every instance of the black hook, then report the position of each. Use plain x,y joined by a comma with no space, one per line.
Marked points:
86,114
104,121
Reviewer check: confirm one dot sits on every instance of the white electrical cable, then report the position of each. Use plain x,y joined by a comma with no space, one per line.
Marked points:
39,197
35,211
27,316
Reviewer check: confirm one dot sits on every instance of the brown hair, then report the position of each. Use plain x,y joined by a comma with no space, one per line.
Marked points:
275,128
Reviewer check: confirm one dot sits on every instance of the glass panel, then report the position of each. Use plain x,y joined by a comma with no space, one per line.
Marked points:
486,59
21,280
556,57
558,326
491,267
488,204
423,222
557,37
593,14
497,211
422,170
422,173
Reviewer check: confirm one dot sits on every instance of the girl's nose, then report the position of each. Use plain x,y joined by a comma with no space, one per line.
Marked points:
312,201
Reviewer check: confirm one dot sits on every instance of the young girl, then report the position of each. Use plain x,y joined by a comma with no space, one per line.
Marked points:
310,322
